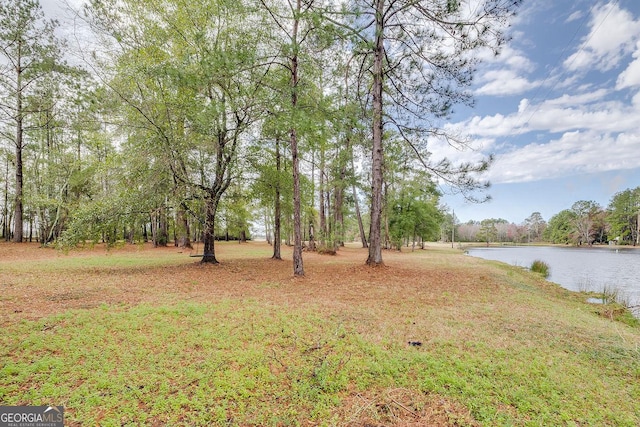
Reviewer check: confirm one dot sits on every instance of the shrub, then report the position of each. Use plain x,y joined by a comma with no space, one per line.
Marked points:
325,250
540,267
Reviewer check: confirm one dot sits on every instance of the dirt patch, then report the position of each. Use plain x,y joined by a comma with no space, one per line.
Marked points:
402,407
332,282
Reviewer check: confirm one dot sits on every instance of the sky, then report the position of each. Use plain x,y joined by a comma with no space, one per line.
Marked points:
559,109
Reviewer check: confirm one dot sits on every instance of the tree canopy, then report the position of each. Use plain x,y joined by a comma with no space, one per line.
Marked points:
200,117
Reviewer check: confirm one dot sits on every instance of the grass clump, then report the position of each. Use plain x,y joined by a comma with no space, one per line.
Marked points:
541,267
617,306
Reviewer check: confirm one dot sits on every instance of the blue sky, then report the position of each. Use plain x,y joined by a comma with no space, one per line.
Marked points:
560,109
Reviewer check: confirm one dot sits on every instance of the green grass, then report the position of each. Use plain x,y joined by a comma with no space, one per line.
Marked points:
189,364
522,353
110,261
541,267
255,364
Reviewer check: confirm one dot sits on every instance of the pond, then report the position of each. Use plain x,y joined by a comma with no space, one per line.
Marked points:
578,268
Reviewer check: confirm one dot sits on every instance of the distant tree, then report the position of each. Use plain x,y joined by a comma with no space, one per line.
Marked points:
413,213
119,193
624,216
468,232
559,228
535,226
601,227
502,229
235,213
448,227
189,79
30,51
513,232
273,185
48,163
488,231
293,41
6,209
584,221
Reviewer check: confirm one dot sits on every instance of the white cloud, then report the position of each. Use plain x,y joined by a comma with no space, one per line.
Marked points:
573,153
504,82
515,59
601,117
506,74
585,111
574,16
523,105
631,76
475,150
596,134
497,125
612,35
581,99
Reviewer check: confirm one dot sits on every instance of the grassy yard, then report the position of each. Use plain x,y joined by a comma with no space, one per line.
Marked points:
143,336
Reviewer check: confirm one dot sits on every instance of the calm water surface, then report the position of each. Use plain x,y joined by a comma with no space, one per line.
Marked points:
578,269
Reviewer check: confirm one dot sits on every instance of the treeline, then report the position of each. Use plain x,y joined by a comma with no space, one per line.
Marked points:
189,120
586,223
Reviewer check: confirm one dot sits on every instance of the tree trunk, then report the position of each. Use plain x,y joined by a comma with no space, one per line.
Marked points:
338,192
18,215
176,242
154,229
331,237
375,241
312,238
277,217
338,208
363,236
388,244
321,203
288,236
209,253
6,227
298,267
183,232
267,228
163,226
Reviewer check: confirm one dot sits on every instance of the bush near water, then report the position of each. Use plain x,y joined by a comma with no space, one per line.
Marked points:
541,267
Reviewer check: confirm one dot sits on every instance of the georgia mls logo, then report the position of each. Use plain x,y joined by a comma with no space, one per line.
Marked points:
31,416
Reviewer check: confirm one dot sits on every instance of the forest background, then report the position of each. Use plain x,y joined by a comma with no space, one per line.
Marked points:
174,122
